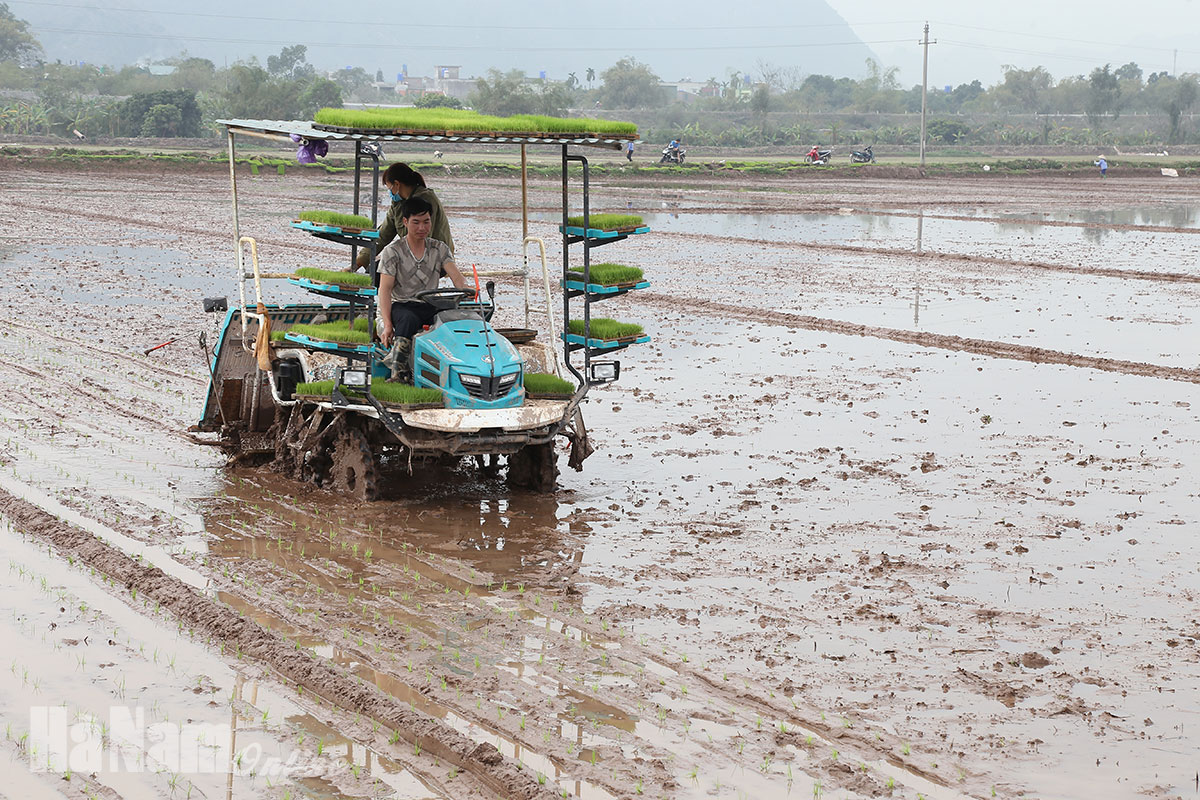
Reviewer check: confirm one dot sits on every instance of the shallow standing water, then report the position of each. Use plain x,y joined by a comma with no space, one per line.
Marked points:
924,555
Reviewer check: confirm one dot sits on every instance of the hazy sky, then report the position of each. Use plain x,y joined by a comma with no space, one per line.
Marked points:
1067,38
698,39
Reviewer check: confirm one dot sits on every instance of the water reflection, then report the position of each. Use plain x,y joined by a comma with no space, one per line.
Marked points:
956,231
508,534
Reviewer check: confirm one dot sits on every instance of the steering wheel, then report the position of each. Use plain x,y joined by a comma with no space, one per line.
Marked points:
444,299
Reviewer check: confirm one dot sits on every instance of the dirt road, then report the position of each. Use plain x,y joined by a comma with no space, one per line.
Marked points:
898,502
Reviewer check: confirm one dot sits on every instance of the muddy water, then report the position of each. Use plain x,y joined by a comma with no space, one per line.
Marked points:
81,646
980,561
1056,304
1083,238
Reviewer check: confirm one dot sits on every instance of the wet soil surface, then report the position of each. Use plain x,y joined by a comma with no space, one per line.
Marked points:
867,517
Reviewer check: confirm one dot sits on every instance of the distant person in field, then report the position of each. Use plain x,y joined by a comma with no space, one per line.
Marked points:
1103,165
410,264
403,182
629,152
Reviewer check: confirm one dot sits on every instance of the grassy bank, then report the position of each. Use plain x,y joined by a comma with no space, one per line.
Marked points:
488,163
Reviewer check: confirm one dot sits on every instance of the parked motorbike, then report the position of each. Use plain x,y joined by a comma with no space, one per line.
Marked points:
864,156
672,155
819,157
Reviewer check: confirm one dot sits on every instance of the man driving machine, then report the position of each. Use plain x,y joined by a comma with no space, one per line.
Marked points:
409,265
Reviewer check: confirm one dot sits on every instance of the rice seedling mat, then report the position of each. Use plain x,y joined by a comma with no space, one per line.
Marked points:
466,123
605,344
325,344
601,291
385,392
334,133
544,386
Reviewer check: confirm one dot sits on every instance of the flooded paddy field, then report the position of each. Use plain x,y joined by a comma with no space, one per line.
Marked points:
865,519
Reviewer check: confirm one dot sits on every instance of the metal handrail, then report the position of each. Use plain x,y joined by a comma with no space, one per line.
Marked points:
541,243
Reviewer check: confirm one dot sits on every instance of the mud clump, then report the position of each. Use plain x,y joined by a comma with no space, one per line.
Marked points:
1033,660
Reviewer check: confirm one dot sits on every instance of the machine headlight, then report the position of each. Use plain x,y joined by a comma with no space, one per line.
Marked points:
508,380
469,380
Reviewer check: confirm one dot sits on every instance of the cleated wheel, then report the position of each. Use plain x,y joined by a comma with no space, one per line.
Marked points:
353,471
534,467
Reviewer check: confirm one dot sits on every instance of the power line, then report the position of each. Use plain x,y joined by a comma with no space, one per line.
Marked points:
1061,38
451,47
409,25
1020,51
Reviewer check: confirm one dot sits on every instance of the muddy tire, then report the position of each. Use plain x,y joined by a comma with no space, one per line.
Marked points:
353,471
534,467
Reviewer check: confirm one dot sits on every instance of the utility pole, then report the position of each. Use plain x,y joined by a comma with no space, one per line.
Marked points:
1175,64
924,87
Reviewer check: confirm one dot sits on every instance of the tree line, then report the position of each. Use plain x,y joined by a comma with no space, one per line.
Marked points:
733,109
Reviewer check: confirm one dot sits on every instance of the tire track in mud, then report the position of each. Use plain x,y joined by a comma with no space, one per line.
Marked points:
986,347
121,411
294,665
154,224
133,359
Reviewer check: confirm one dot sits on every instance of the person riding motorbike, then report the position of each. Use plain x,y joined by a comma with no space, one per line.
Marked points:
673,153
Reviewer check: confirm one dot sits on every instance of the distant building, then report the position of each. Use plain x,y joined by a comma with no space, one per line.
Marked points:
685,91
159,69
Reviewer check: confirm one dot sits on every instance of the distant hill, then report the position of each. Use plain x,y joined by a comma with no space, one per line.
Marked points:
697,40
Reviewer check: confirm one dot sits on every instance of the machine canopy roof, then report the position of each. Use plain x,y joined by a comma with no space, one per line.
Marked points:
308,130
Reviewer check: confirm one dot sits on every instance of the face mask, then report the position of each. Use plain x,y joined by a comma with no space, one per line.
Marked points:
395,197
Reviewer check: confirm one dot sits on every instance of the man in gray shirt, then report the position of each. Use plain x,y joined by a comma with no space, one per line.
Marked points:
408,266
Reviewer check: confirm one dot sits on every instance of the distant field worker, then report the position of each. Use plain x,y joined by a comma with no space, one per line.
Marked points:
629,152
403,182
1103,165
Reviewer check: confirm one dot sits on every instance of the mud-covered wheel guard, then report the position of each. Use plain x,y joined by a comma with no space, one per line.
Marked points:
576,434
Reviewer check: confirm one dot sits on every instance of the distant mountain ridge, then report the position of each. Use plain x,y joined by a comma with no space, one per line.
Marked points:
699,40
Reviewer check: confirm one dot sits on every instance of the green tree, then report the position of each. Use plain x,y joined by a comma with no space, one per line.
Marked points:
572,81
1130,72
879,91
437,101
591,76
134,110
251,93
945,130
630,84
198,74
1025,89
503,94
163,119
319,93
1175,96
351,80
824,93
1104,95
291,63
760,101
507,93
16,42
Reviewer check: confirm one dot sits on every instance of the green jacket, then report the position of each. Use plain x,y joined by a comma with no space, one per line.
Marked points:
393,224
